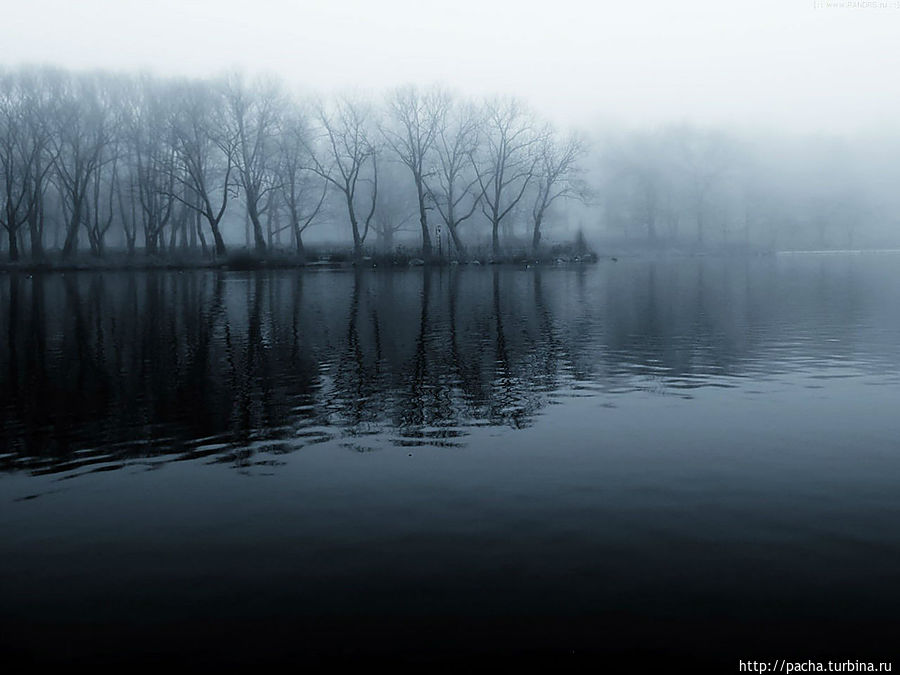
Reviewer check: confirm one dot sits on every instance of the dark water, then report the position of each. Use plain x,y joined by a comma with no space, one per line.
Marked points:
679,462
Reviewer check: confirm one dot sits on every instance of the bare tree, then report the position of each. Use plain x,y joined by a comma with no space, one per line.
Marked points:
38,106
507,161
302,191
415,119
556,177
454,189
24,158
205,149
79,139
151,146
343,151
127,201
100,207
255,114
17,159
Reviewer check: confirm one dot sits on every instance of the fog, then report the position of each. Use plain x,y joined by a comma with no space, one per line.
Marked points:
689,126
787,64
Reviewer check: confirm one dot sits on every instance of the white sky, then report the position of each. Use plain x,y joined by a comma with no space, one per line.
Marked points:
778,63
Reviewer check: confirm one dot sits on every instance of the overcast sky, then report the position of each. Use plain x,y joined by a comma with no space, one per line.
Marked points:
776,63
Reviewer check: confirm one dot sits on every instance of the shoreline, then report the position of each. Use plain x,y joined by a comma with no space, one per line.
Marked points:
243,261
240,263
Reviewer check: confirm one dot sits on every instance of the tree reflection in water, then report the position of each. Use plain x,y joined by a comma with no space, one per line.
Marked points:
102,369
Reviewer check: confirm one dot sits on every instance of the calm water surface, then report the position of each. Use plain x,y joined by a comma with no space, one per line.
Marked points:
681,461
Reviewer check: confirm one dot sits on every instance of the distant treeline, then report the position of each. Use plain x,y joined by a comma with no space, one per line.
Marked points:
160,166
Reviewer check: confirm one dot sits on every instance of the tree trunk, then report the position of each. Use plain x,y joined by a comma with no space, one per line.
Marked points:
423,221
301,250
192,230
357,239
198,227
35,232
183,229
259,240
495,238
217,235
457,242
536,235
270,235
173,236
150,241
71,243
13,244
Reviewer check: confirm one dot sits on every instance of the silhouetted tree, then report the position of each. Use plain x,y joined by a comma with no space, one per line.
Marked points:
507,161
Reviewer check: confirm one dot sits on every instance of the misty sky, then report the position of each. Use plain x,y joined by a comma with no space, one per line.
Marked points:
764,63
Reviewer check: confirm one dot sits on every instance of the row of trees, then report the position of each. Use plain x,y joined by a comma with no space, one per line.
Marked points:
112,161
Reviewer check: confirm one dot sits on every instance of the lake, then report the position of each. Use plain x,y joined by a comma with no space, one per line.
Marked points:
676,461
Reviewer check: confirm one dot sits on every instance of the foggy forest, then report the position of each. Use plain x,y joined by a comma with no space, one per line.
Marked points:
95,165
